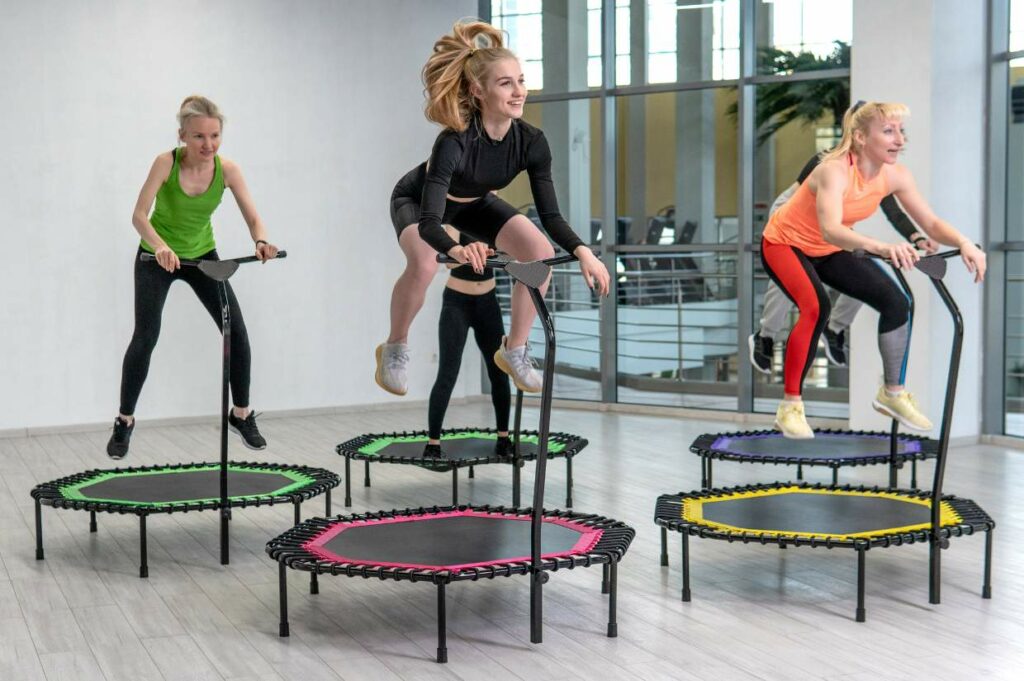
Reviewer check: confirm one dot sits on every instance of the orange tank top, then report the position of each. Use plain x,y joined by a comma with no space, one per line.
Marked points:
795,223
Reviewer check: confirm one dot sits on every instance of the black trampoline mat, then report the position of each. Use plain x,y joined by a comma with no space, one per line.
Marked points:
173,486
451,540
823,446
816,513
453,450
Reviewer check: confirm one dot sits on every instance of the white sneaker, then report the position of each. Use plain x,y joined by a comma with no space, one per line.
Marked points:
392,365
516,362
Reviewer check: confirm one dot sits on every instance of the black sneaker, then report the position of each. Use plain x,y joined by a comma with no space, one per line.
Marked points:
835,346
504,447
762,352
432,451
247,430
117,445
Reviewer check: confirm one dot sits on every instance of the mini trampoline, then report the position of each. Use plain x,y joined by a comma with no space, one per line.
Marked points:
178,488
834,449
799,514
441,545
463,448
448,544
788,514
175,488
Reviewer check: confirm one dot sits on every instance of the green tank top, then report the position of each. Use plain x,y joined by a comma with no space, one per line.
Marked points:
183,221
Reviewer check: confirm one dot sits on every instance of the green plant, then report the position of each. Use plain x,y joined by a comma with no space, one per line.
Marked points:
807,101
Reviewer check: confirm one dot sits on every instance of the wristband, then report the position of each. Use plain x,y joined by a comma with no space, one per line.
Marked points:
261,241
918,239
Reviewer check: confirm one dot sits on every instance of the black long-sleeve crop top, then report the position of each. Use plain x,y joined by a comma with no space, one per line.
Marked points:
469,164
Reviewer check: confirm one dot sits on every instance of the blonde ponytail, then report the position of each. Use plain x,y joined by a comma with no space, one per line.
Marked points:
460,59
859,117
197,106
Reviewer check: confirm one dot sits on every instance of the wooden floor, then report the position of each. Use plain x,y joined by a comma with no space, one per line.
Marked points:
757,612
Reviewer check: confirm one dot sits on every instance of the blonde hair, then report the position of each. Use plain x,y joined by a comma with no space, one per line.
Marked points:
197,106
859,117
460,59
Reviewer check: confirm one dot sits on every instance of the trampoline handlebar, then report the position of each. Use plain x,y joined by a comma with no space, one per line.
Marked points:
500,264
149,257
861,253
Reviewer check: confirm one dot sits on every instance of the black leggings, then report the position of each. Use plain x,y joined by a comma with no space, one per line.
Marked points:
152,283
460,313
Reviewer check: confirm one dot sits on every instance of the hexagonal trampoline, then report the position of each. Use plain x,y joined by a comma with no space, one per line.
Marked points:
801,514
178,488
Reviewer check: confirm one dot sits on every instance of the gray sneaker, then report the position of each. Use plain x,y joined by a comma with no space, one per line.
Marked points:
516,362
392,363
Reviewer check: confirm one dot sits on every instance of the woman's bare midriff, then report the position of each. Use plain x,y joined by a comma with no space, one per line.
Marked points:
470,288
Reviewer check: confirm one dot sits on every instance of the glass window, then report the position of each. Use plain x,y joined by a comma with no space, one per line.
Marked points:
677,308
803,35
572,129
558,43
1014,357
684,40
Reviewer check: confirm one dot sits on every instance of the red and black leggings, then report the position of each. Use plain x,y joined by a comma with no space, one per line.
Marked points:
801,278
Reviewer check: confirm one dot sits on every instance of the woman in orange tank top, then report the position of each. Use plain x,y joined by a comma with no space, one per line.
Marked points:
809,241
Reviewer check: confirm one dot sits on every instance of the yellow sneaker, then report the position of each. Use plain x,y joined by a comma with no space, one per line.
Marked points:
790,419
903,407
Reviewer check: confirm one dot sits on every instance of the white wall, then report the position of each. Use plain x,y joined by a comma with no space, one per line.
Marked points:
324,108
930,55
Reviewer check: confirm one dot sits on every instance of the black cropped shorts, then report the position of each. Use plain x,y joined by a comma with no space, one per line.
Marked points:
481,219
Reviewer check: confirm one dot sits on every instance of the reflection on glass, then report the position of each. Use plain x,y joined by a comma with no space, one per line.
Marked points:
572,129
1015,154
1016,25
803,35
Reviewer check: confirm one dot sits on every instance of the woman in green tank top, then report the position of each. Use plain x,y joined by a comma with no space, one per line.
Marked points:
187,185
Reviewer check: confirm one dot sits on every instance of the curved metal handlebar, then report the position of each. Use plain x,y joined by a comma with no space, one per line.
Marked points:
932,265
500,264
147,257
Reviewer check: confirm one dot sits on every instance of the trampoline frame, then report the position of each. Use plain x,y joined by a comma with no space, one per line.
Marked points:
936,536
289,551
704,447
572,446
50,494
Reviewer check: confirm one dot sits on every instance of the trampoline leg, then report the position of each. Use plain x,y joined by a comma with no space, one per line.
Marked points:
709,483
986,588
613,626
664,547
455,487
861,555
913,474
442,625
604,579
92,521
327,502
516,479
314,585
471,474
703,472
934,572
225,518
686,567
835,477
537,579
39,530
348,482
282,585
799,471
568,482
144,562
366,474
298,512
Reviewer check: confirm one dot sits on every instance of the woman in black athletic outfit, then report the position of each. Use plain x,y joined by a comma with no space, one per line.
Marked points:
470,302
475,89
